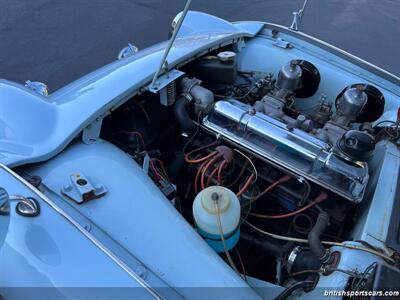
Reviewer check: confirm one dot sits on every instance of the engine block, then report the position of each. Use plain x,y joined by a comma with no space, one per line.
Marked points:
291,149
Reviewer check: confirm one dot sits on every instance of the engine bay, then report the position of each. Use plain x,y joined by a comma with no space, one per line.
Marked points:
266,179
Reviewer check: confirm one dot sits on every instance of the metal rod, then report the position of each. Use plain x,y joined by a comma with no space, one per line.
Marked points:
171,41
24,200
303,8
297,15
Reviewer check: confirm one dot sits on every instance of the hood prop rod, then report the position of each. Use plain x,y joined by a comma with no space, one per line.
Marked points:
297,15
164,63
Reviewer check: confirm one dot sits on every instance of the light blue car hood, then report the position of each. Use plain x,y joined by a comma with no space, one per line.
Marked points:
34,128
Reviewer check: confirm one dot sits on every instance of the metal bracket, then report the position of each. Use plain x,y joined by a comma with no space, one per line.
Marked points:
38,87
81,189
164,80
281,43
239,45
162,84
127,51
92,132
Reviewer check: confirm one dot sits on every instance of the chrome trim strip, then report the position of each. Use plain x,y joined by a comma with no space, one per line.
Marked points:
99,245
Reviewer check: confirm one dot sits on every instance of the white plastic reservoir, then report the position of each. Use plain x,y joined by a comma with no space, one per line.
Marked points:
206,218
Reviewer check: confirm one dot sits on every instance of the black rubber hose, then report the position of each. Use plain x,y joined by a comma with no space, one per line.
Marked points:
267,246
181,114
306,260
314,237
287,292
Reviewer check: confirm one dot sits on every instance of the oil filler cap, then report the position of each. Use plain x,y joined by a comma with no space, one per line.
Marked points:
357,145
226,56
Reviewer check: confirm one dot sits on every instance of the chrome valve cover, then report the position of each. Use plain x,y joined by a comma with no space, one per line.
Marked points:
294,150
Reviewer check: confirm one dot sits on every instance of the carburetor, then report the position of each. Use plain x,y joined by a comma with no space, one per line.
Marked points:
356,145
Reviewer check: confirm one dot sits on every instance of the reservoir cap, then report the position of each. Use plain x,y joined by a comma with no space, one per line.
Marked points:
212,194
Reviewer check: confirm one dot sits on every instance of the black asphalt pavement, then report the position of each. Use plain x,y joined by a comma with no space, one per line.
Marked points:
57,41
